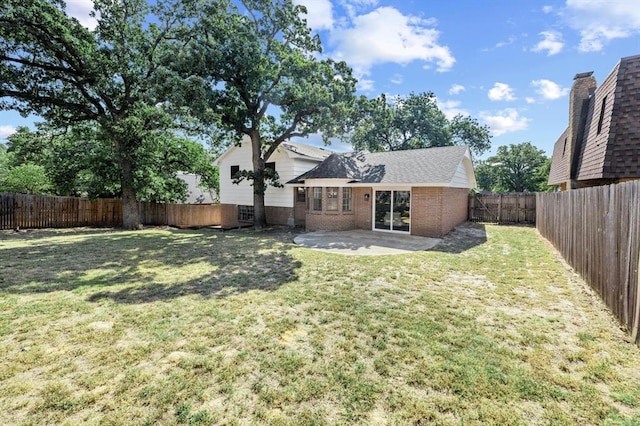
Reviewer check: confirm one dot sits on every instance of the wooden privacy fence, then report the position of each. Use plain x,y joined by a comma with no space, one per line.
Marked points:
597,230
38,211
503,208
181,215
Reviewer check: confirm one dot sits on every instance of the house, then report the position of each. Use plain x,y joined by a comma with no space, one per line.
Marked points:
196,194
419,192
291,159
601,144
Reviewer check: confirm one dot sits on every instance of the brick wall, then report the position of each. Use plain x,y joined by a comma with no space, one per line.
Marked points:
333,220
329,221
455,206
426,212
436,211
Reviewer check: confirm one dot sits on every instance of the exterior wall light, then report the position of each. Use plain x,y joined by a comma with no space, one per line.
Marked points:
366,197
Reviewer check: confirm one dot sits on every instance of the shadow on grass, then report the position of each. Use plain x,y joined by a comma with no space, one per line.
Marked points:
462,238
139,267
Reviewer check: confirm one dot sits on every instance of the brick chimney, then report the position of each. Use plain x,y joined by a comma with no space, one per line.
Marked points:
584,84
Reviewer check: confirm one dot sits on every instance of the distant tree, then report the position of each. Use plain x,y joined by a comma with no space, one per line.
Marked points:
52,66
78,163
26,179
4,161
413,122
486,177
543,177
261,75
468,131
514,168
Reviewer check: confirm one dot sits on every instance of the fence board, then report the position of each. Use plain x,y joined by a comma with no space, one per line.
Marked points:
37,211
597,230
503,208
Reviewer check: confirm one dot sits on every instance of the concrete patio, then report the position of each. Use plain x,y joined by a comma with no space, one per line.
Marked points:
367,243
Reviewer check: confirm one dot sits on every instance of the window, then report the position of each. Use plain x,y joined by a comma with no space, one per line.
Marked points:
332,199
245,213
564,149
271,166
300,194
346,199
604,102
234,170
317,198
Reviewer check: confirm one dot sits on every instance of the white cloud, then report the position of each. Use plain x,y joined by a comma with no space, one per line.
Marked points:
354,6
319,13
507,42
456,89
547,9
386,35
600,21
501,92
397,79
6,131
365,85
451,108
80,9
551,43
548,89
505,121
530,100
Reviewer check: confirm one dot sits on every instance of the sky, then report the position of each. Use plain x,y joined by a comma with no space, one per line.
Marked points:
509,64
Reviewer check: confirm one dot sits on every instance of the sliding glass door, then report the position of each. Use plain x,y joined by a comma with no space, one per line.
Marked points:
392,210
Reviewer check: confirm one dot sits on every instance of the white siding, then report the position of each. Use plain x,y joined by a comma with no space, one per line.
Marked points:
196,194
463,177
242,193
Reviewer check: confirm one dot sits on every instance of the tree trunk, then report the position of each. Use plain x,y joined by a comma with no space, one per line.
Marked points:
259,212
130,208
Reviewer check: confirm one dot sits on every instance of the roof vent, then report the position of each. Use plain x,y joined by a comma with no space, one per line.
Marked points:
583,75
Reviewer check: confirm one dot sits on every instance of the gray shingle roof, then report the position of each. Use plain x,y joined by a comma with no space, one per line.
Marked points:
416,166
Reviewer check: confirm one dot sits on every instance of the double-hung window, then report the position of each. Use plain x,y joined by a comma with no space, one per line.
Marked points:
346,199
317,198
332,199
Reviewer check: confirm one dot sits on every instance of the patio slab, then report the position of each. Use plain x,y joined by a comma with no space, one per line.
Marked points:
367,243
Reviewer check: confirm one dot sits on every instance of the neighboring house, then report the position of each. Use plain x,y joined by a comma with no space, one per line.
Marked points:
420,192
195,193
601,144
290,160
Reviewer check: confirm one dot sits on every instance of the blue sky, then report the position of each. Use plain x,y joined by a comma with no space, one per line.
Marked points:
510,64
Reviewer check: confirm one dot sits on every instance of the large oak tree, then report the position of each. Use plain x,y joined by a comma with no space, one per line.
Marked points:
515,168
52,66
412,122
260,73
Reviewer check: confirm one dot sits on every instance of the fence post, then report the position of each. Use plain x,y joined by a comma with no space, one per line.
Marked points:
636,313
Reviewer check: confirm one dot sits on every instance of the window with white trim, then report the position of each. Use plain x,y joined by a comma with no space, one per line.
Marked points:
317,198
332,198
346,199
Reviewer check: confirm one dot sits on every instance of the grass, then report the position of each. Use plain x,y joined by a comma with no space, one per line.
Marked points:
201,327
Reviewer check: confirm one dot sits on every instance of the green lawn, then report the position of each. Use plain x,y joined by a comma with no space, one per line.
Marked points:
202,327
